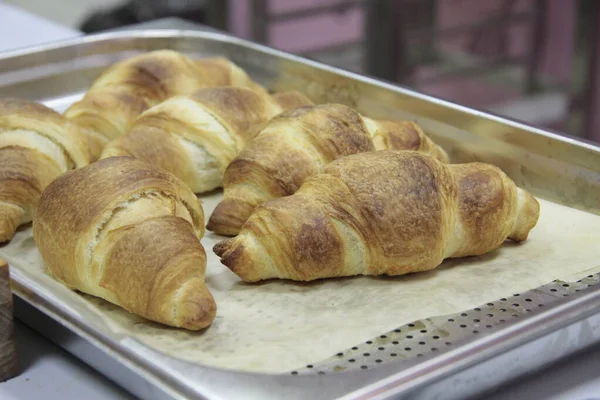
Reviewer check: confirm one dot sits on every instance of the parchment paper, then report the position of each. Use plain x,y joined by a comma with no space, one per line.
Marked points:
280,326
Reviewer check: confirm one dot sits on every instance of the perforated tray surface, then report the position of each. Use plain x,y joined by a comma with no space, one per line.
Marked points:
432,336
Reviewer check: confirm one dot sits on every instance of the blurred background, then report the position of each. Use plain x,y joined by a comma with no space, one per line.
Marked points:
534,60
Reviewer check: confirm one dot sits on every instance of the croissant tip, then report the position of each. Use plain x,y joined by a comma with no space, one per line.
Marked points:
202,315
5,236
231,252
229,216
9,221
527,218
196,308
221,248
7,231
221,228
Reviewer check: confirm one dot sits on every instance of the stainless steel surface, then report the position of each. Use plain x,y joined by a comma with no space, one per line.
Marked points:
552,166
93,356
428,338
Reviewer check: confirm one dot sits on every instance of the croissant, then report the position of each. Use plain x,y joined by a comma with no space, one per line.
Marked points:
127,232
383,212
195,137
298,144
37,145
130,86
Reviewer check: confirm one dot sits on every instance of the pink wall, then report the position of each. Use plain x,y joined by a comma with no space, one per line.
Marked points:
280,6
239,23
559,36
483,41
335,28
557,58
300,34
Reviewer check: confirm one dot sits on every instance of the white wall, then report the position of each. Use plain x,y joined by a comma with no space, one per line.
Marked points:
65,12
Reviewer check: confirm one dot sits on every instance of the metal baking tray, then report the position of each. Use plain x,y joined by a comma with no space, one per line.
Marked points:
479,349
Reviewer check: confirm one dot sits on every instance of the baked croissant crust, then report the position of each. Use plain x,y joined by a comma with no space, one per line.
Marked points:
195,137
130,86
129,233
298,144
37,145
383,212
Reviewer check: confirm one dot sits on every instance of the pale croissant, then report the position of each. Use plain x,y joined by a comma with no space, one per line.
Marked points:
298,144
130,86
129,233
382,212
37,145
195,137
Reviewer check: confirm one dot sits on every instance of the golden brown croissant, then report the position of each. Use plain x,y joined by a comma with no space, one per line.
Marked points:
298,144
195,137
383,212
129,233
37,145
129,87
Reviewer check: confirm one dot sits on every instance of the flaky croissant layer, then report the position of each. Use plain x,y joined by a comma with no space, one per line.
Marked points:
129,87
37,145
298,144
129,233
382,212
195,137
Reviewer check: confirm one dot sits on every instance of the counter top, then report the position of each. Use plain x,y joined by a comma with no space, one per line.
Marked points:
19,28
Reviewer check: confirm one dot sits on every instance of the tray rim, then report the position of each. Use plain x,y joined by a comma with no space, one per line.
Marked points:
223,37
504,339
